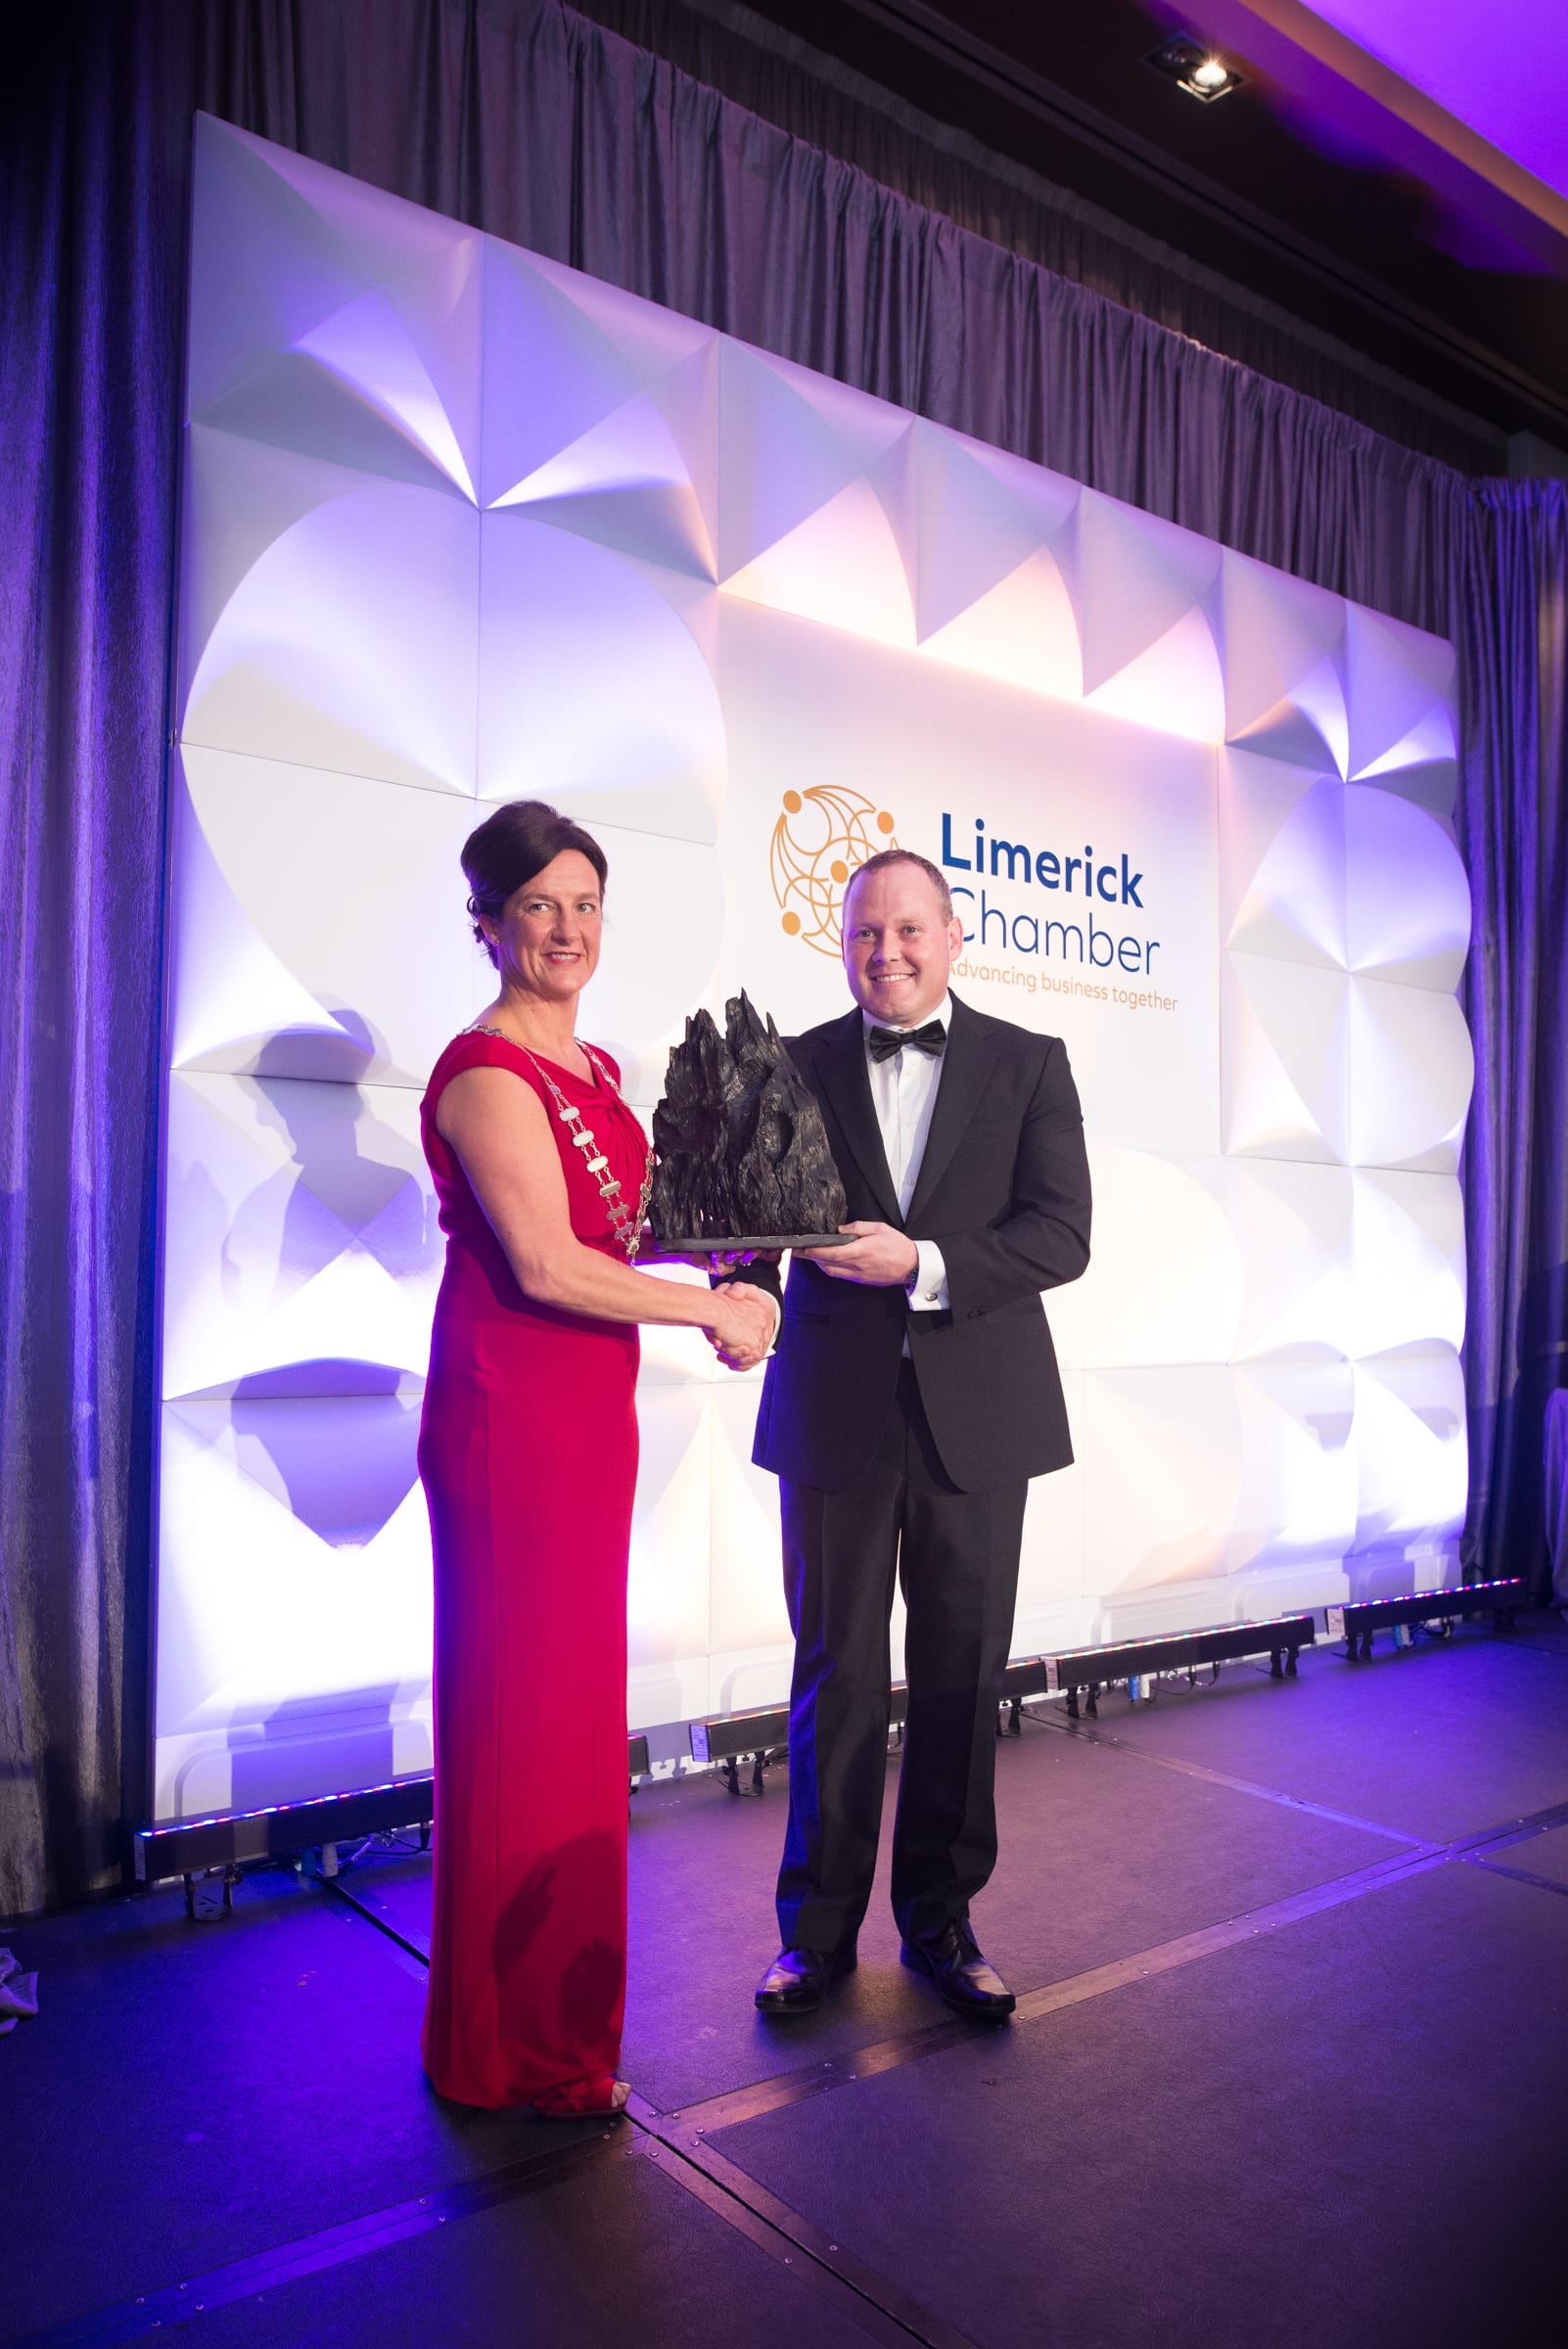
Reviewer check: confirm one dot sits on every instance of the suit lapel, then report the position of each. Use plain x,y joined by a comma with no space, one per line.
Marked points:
845,1080
965,1067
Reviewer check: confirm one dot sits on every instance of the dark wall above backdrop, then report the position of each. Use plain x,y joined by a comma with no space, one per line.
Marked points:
528,119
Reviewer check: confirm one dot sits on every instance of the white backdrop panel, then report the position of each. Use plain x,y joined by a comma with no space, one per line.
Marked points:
359,916
299,1231
352,641
461,524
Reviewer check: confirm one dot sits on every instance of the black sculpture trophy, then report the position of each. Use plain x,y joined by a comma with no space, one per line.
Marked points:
743,1153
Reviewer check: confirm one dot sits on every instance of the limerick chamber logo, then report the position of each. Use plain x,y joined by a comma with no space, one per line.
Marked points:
822,836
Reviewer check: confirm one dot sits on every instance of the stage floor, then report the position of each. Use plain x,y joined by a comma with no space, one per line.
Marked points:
1290,2066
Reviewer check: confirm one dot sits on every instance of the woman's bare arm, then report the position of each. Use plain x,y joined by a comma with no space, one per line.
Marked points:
500,1131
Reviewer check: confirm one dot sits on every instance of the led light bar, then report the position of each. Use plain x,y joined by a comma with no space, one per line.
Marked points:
1357,1624
729,1735
1281,1638
185,1847
729,1738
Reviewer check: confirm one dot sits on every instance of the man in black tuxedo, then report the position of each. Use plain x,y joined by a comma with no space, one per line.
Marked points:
912,1394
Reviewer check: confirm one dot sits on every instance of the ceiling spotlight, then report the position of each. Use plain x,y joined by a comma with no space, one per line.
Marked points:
1194,69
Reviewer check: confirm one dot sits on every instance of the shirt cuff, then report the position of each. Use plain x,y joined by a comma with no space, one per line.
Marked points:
928,1289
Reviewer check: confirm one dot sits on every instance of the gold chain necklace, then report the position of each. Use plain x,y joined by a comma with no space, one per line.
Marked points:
626,1224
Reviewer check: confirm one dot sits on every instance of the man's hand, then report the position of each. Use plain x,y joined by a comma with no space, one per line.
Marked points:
745,1319
877,1256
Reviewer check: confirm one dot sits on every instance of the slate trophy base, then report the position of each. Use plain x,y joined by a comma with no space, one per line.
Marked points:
774,1241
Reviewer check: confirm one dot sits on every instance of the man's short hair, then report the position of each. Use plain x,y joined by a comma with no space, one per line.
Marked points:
886,856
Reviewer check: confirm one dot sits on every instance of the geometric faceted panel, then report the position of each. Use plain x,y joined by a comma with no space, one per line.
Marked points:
746,1612
1162,1454
599,414
1286,886
638,742
240,1472
1407,895
1284,645
331,319
460,525
666,1603
257,1598
350,643
340,962
1143,594
1296,1506
812,489
1408,1277
1052,1605
1401,695
1410,1073
664,929
1409,1451
300,1243
1285,1058
1165,1281
1294,1233
990,539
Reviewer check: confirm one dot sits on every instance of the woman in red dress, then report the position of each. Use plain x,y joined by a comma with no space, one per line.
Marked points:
528,1457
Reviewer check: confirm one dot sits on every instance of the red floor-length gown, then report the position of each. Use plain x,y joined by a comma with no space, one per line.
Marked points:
528,1456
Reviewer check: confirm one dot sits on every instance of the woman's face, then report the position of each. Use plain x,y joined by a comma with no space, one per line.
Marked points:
547,934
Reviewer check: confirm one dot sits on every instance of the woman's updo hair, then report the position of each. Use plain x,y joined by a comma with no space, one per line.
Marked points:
510,847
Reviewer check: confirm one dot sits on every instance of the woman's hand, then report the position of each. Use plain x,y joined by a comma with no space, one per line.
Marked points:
716,1260
721,1261
742,1326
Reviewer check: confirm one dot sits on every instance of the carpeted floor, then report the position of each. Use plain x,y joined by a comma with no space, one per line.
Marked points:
1291,2067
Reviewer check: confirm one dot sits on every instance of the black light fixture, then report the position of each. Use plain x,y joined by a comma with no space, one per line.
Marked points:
1195,68
1356,1623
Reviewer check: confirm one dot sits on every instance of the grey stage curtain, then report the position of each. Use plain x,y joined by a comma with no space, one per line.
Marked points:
813,96
528,119
522,117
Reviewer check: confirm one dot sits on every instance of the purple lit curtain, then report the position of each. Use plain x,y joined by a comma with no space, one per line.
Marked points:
1512,626
92,165
533,122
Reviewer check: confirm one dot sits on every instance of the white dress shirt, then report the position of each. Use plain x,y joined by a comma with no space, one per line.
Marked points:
903,1093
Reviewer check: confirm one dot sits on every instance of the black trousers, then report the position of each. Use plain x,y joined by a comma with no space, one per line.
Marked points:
956,1556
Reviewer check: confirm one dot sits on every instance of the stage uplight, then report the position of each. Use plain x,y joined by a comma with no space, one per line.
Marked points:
1195,68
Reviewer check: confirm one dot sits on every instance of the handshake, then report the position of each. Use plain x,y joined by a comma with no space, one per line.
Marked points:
745,1319
741,1329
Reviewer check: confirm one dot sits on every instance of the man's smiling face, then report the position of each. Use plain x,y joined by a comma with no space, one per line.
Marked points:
899,943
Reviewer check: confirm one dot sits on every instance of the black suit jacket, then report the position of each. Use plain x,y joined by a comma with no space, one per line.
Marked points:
1003,1190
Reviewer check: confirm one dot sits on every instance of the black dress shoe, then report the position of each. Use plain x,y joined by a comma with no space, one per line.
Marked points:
798,1980
965,1980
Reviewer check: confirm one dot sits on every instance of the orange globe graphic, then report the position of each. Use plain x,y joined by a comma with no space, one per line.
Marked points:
818,842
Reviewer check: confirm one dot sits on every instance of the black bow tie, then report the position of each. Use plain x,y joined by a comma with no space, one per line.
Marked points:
882,1043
